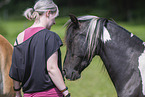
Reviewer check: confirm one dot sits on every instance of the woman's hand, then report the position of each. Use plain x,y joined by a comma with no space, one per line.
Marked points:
18,94
68,95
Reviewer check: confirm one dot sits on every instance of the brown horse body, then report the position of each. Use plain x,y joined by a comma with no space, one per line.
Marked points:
6,83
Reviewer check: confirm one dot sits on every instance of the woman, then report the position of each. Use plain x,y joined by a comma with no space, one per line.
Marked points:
36,60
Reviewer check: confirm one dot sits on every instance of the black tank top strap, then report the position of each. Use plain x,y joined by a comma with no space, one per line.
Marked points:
16,41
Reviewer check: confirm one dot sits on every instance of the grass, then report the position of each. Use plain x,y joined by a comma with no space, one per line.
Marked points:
95,81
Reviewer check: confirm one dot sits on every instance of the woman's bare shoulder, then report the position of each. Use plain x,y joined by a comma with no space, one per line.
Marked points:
20,38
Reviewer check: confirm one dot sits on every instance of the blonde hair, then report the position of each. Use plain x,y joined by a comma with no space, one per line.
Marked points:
41,7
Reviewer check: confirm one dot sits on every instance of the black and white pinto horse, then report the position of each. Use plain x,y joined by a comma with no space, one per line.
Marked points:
122,53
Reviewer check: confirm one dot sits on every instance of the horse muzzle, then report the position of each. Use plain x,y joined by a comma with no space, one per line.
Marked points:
71,75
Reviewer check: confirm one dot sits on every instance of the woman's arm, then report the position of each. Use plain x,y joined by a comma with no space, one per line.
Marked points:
55,74
17,88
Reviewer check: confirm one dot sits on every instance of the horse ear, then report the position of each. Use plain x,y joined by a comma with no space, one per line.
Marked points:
74,20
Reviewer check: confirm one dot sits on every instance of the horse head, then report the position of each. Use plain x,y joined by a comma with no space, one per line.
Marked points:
82,44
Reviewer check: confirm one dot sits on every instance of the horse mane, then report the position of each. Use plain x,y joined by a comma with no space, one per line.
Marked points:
94,31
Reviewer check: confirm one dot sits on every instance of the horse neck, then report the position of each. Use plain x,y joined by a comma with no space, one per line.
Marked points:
120,55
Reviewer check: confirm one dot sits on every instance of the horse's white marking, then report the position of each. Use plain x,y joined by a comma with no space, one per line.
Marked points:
131,35
106,35
142,70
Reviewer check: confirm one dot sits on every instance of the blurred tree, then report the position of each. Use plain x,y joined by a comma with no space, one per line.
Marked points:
75,2
122,9
4,2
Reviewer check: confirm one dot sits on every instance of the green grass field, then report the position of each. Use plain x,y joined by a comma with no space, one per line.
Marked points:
95,81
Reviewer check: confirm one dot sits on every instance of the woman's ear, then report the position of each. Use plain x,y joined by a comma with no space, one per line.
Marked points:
48,13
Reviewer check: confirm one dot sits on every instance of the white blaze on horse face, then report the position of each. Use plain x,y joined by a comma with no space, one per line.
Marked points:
142,70
106,35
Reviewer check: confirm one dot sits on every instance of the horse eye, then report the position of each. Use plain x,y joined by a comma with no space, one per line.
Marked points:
70,41
72,55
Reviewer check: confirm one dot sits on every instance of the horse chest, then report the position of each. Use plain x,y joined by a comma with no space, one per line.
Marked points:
142,70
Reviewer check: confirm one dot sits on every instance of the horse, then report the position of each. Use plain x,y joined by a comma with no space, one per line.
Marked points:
6,83
122,53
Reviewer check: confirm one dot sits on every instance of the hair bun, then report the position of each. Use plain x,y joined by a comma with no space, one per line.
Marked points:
39,8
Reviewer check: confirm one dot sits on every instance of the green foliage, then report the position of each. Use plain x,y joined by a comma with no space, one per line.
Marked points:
95,81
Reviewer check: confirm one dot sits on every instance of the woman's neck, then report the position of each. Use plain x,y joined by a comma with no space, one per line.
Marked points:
40,23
